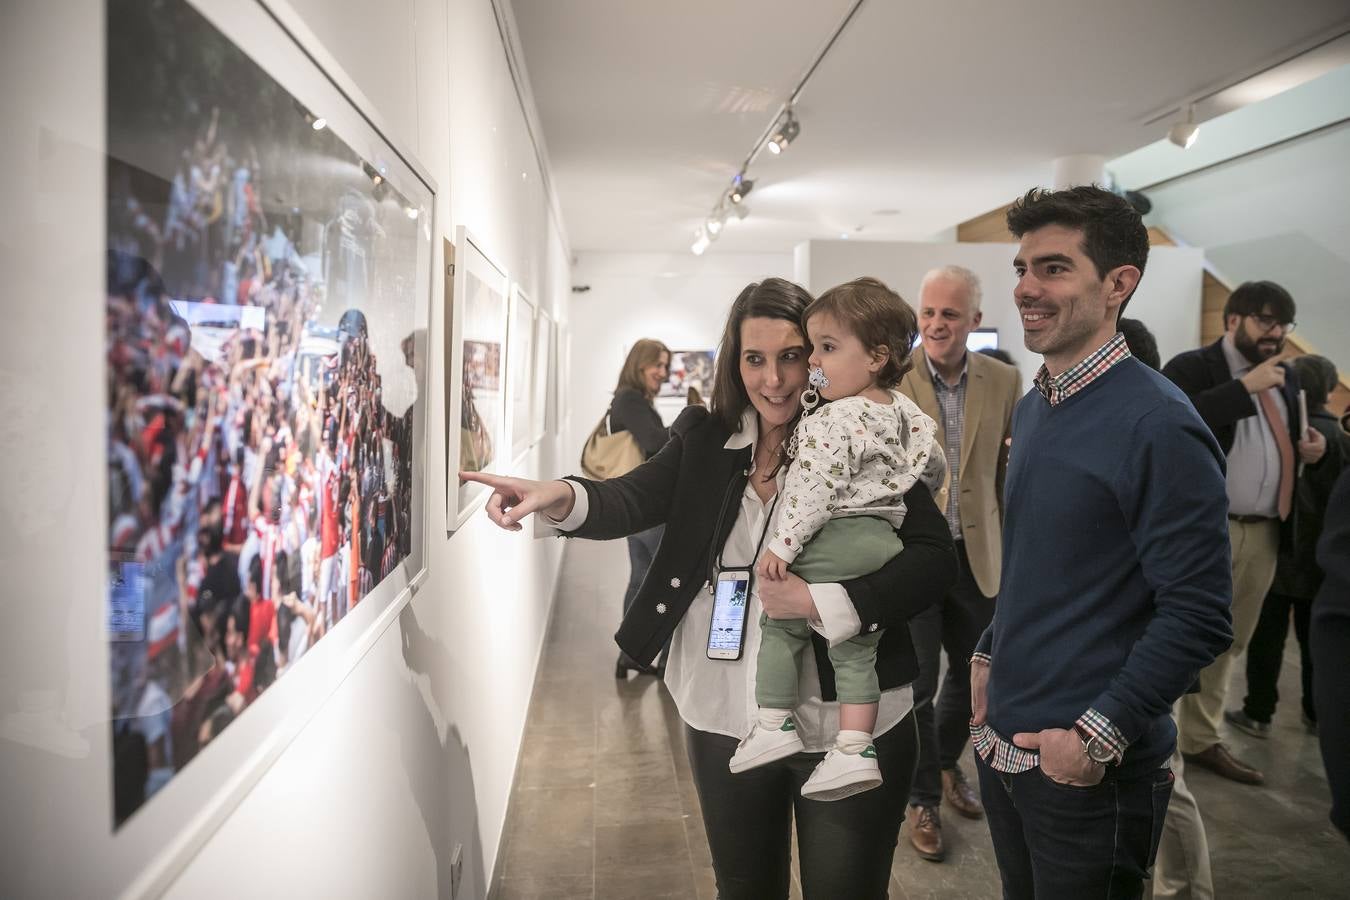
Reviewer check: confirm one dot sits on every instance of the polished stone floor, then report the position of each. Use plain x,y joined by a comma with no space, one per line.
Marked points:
603,805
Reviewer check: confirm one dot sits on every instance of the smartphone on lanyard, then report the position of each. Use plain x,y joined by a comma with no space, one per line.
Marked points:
731,599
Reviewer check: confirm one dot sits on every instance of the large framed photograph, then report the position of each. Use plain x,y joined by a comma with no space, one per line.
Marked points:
541,412
520,358
269,268
476,417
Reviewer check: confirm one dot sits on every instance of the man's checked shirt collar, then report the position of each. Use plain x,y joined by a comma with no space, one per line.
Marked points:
937,376
1057,389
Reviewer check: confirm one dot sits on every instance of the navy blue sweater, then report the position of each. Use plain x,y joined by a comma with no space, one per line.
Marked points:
1117,578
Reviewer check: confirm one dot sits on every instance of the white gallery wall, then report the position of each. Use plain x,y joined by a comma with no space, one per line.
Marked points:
679,299
1167,300
411,750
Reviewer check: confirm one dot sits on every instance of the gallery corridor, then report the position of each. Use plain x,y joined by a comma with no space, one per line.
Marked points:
603,804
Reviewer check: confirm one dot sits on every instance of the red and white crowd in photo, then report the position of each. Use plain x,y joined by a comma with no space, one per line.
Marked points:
258,488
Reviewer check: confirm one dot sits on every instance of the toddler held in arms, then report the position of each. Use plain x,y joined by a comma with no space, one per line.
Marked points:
853,460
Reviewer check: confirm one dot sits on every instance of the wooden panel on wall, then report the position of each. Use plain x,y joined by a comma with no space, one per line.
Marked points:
1213,295
992,227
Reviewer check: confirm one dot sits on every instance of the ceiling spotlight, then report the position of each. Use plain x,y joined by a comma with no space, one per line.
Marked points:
411,211
785,134
318,123
372,173
701,241
1183,134
740,186
715,223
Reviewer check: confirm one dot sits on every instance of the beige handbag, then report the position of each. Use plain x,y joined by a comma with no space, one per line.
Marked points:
610,455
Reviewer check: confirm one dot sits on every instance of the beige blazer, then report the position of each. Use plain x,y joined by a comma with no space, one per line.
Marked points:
992,390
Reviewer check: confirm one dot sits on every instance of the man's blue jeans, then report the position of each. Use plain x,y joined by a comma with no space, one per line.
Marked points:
1054,840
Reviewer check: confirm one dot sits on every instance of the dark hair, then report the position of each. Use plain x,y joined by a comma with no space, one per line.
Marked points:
1113,231
1002,356
241,611
772,298
1251,298
877,316
1141,342
1317,376
215,539
264,667
281,565
255,573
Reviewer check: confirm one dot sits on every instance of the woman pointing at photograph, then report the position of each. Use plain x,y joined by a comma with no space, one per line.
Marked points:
715,487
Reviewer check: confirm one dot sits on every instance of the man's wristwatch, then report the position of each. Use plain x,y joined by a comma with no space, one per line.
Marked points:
1095,748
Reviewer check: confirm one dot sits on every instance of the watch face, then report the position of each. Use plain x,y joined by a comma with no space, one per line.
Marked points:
1098,751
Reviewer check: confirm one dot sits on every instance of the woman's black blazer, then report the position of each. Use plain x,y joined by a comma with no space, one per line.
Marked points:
685,486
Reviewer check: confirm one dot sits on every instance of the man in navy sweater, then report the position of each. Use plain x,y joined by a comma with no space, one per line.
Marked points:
1116,571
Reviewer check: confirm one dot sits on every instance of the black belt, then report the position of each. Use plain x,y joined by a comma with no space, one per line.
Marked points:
1249,520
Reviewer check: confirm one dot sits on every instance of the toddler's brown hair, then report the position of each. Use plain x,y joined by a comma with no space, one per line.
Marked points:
879,317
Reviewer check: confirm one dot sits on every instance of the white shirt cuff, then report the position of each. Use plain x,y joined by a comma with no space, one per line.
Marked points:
547,526
839,621
782,550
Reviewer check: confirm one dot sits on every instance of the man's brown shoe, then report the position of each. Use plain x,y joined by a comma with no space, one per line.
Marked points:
958,794
925,832
1219,761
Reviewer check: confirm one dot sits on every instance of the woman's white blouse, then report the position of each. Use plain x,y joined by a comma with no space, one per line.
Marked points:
718,695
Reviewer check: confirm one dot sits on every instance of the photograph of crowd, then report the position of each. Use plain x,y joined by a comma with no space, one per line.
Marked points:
260,312
689,369
482,413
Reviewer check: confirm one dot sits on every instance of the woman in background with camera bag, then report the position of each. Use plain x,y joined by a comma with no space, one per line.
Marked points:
631,433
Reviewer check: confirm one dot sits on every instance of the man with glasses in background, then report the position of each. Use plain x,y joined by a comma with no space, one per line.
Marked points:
1249,399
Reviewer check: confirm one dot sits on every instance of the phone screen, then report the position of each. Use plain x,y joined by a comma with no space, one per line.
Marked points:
728,616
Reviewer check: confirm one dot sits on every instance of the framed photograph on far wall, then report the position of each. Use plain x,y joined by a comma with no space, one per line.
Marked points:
520,362
689,369
476,360
540,414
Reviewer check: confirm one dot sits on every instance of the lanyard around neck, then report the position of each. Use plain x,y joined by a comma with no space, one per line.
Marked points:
731,494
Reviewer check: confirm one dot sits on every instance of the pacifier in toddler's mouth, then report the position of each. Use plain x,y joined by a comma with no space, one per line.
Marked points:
816,382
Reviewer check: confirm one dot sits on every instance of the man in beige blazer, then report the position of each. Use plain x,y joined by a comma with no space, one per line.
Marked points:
971,397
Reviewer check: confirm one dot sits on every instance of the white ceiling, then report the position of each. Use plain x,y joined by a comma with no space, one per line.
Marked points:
938,109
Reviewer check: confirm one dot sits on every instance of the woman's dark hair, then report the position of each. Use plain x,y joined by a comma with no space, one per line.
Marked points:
1251,298
878,317
772,298
1113,231
1317,376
